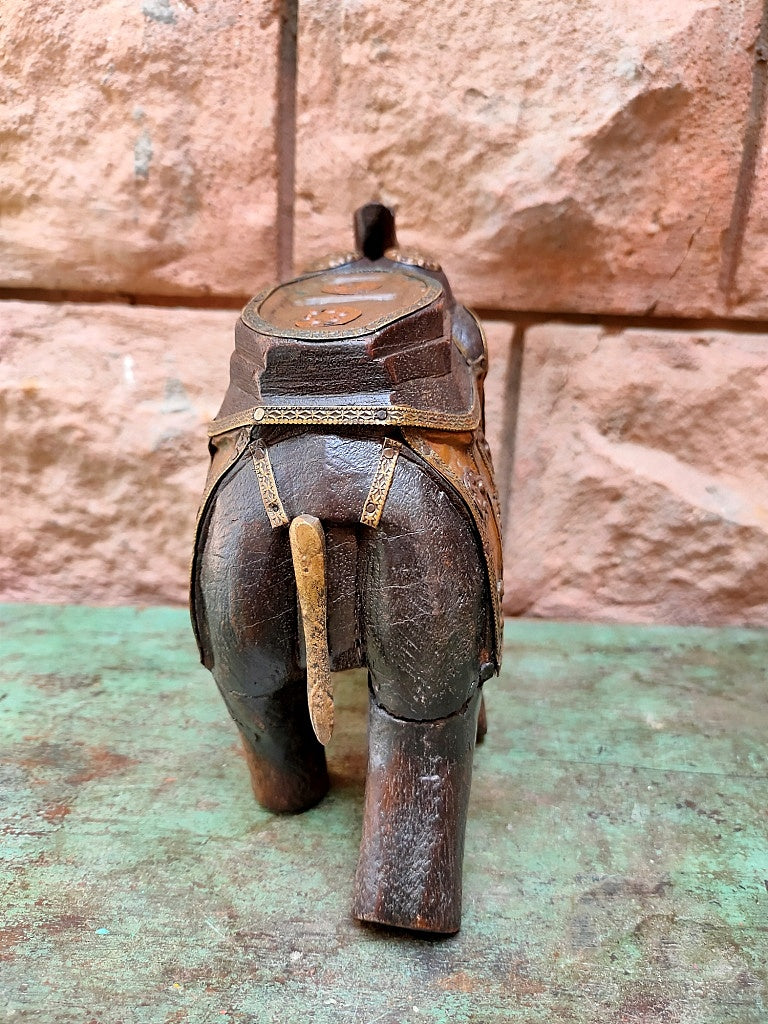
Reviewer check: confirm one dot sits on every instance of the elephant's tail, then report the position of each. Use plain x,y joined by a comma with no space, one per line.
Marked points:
308,551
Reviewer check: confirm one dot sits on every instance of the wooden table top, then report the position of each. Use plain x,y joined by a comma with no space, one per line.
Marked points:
616,867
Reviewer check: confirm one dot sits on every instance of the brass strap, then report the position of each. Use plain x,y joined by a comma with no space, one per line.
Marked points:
382,481
273,506
350,415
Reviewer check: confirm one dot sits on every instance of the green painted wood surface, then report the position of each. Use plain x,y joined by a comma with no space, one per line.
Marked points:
616,866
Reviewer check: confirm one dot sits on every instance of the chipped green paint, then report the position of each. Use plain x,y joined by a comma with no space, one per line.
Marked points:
616,859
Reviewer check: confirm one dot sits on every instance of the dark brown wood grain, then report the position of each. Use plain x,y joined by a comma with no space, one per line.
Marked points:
416,798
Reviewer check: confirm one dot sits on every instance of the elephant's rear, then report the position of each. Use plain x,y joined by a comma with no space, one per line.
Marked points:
355,413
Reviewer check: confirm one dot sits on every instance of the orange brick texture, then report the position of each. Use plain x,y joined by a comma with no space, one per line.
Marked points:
593,177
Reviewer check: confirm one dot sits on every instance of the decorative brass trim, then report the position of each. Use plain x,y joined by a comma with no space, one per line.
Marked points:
331,261
350,415
373,505
482,448
411,258
273,506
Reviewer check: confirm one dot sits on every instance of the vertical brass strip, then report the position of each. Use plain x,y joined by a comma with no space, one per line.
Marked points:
382,481
273,506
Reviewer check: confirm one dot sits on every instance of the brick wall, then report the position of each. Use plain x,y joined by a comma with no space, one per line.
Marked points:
592,176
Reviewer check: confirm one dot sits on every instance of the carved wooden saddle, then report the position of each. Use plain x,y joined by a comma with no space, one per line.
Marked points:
372,341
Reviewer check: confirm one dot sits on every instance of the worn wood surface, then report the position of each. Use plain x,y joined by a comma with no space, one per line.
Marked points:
616,863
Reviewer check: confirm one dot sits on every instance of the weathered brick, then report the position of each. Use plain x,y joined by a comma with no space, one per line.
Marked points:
744,273
555,156
138,146
104,448
499,338
639,489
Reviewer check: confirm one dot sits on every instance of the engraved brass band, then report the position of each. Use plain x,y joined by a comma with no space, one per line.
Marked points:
273,506
350,415
382,481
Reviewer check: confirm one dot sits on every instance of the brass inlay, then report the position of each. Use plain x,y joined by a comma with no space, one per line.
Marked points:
334,259
350,415
382,481
412,259
308,552
273,506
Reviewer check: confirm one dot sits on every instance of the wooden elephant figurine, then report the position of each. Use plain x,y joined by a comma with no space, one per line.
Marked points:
350,519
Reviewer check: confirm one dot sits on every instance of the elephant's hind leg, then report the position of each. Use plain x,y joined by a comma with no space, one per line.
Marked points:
248,597
425,628
416,799
286,763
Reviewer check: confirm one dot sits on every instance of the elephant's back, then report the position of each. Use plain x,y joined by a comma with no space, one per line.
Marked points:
324,474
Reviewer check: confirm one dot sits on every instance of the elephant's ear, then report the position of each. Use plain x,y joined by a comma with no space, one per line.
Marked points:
469,337
225,450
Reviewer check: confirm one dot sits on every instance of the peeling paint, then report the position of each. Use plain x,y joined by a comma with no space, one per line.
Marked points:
142,155
159,10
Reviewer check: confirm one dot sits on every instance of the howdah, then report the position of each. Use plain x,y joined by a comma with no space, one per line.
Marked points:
350,518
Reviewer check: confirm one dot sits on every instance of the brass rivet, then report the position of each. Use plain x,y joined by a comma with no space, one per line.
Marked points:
370,508
381,414
259,414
